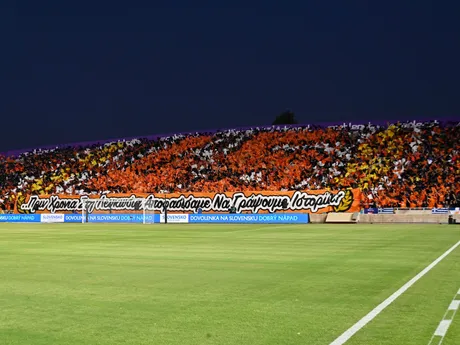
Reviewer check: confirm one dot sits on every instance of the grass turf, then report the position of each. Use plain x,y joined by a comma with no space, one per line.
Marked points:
213,284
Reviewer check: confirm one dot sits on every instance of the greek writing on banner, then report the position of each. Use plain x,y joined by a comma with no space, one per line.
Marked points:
318,201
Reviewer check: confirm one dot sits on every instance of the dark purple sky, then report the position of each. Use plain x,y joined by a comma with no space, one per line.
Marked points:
88,70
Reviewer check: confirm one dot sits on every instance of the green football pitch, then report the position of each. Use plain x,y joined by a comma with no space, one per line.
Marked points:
81,284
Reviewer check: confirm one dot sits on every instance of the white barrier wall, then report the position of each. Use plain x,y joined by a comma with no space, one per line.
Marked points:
404,218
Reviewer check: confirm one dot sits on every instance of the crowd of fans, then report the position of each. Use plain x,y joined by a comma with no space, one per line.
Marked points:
399,165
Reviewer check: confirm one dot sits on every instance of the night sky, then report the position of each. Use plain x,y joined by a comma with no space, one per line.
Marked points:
88,70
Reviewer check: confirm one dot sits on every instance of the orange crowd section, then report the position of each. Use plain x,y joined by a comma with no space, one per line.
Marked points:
395,165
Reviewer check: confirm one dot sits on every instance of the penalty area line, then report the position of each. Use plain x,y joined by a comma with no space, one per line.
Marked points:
342,339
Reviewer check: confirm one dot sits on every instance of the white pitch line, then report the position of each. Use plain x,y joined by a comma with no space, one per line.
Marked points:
454,305
342,339
441,331
259,228
444,325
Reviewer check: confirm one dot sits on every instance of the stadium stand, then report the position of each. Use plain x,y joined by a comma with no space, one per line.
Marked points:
395,165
